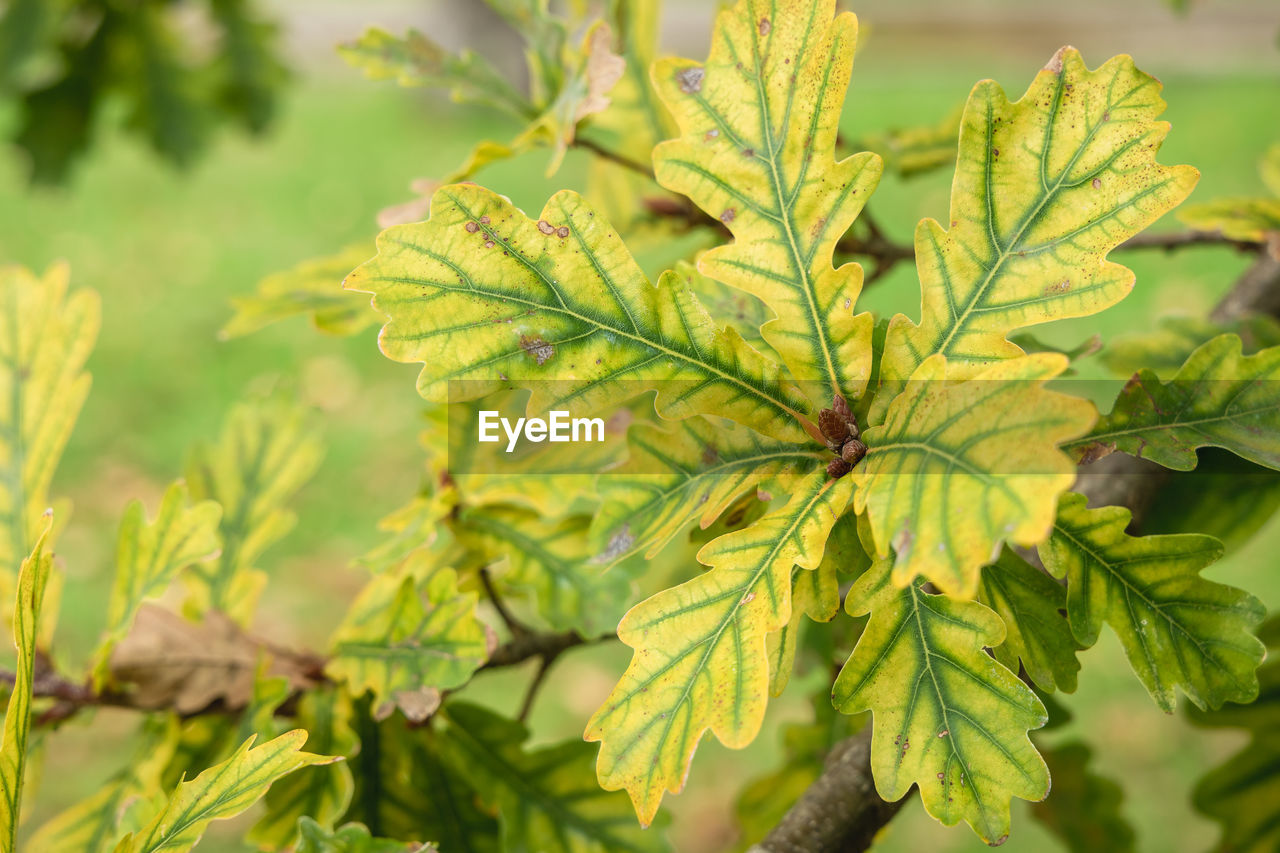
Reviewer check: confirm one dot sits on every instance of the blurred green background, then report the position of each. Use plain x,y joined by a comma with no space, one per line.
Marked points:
167,250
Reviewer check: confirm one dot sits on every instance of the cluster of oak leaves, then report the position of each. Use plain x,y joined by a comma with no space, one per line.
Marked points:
911,499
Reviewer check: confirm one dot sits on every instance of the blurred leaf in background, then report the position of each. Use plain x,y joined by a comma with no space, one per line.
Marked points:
176,71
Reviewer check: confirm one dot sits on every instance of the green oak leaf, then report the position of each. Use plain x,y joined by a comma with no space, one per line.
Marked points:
416,60
1084,808
1036,634
947,718
912,151
404,788
1045,187
689,471
545,798
1243,793
1164,349
552,561
121,805
266,452
700,657
149,555
33,577
350,838
482,293
45,339
758,125
1243,218
1178,629
223,791
312,288
1225,497
409,632
947,446
1220,398
323,793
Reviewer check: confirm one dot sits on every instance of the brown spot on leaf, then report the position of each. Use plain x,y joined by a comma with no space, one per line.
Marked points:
728,215
1096,451
690,80
748,152
1058,287
1097,183
545,227
562,231
538,348
472,227
619,543
765,27
488,244
484,220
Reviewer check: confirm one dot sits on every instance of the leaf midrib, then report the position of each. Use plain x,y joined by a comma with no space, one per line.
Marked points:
712,640
1131,589
583,319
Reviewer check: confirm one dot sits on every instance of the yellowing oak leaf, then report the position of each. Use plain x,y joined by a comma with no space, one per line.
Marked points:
758,126
323,793
550,559
149,555
223,791
312,288
44,342
121,804
947,718
692,471
949,446
482,293
1244,218
1219,398
266,452
700,658
1178,629
407,633
1044,188
33,577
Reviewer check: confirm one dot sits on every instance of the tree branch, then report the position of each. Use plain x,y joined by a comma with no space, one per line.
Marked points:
71,697
841,811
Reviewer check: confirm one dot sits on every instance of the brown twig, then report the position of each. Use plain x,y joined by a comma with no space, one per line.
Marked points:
514,625
613,156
